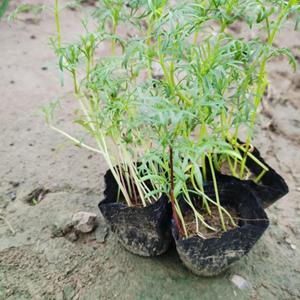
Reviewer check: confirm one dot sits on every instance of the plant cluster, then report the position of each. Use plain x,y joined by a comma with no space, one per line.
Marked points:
167,106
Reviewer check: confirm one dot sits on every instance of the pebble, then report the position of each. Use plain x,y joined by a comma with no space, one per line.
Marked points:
293,246
240,282
84,221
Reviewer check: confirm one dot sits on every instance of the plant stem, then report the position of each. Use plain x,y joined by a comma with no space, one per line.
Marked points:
201,191
216,191
57,23
172,198
262,80
76,141
75,82
113,42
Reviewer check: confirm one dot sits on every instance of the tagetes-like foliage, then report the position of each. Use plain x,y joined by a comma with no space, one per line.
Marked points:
167,106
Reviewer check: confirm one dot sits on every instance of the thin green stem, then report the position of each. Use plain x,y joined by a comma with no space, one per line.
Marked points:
75,84
216,191
57,23
113,42
172,197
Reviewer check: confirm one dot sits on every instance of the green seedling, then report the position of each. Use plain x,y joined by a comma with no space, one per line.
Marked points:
35,9
164,134
34,201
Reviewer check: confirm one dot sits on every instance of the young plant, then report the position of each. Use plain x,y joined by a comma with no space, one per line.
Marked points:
170,134
35,9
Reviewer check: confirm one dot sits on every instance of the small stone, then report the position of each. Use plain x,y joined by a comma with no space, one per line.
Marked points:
293,246
84,221
240,282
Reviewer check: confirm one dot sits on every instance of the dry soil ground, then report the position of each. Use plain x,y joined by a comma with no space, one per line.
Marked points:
34,265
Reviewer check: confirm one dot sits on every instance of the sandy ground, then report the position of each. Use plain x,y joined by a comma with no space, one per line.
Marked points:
34,265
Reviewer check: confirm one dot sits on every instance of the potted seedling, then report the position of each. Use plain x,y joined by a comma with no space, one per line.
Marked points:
210,89
171,142
106,88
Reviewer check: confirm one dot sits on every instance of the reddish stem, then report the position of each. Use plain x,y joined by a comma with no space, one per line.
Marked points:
172,198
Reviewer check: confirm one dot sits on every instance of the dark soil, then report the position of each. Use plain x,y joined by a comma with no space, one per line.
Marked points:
212,220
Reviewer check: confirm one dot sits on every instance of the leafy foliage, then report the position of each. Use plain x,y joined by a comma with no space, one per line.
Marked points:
164,132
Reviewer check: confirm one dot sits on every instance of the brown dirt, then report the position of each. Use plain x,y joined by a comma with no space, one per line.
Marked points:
34,265
212,220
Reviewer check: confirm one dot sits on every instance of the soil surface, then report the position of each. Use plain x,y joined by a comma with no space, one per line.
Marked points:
213,220
44,180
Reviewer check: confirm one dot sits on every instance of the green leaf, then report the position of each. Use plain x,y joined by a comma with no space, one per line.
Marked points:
198,175
3,7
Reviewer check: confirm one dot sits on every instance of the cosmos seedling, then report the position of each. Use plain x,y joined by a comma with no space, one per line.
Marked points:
163,135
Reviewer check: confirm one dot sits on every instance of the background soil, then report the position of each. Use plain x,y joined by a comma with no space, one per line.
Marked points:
34,265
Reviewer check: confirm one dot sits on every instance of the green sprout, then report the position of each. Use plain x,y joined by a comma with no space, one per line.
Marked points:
35,9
